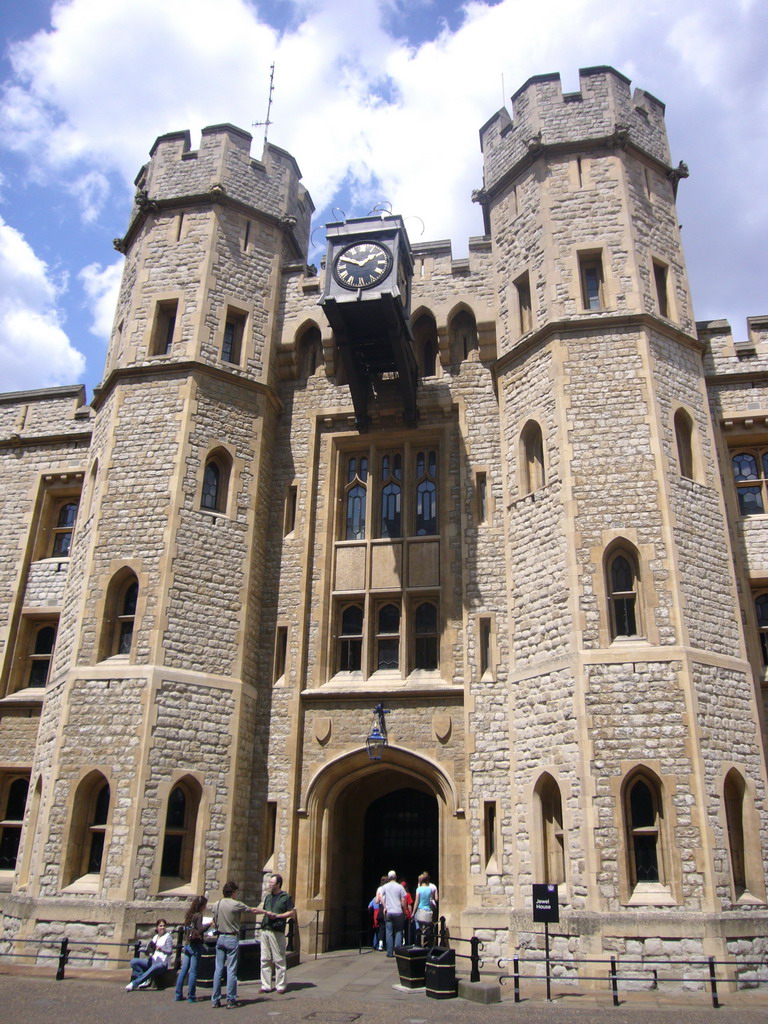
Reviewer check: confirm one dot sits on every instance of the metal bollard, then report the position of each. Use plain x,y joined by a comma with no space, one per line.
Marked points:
474,957
63,955
614,982
516,976
713,983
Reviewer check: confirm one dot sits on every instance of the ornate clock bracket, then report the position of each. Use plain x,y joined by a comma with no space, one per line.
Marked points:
367,302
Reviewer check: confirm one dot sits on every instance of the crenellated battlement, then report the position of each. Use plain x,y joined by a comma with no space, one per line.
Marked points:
543,115
223,167
726,354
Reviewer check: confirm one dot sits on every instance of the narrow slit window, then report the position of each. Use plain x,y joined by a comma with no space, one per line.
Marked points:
281,651
761,611
234,329
662,297
289,524
485,646
523,287
591,273
489,830
270,829
733,795
481,488
684,440
164,328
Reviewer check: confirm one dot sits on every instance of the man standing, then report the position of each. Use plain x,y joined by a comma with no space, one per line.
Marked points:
393,900
226,920
278,910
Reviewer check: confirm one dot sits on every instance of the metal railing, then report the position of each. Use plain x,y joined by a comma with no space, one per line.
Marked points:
615,974
62,952
66,954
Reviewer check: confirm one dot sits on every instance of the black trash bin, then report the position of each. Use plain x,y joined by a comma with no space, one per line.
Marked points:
411,965
440,973
248,963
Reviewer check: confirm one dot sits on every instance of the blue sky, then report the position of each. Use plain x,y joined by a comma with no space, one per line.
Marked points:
378,102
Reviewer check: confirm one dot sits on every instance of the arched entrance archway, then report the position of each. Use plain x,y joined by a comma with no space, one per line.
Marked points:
341,877
401,833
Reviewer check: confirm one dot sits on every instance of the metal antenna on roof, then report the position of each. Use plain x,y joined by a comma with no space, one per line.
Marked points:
267,123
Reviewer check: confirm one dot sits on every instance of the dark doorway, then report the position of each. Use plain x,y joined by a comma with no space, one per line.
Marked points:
401,834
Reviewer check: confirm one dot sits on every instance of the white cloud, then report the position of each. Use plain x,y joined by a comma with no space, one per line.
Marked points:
101,287
360,107
34,349
91,192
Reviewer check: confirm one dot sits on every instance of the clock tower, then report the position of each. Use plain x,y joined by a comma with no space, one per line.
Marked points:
367,299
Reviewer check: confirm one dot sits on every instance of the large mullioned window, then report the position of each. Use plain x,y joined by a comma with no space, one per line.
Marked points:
389,513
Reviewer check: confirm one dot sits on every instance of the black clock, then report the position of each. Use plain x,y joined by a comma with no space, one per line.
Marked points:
362,265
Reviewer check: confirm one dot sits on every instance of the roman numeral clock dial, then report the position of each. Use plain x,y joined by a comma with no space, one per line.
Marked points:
362,265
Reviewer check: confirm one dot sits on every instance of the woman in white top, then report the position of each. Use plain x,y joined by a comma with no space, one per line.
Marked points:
159,950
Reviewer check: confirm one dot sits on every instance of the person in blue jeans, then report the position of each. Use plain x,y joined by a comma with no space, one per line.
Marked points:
392,898
193,937
144,969
226,920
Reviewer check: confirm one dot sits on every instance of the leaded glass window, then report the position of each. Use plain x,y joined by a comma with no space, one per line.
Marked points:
65,525
10,825
750,471
127,618
356,497
425,637
211,483
351,639
623,596
98,828
391,495
388,637
41,656
644,832
426,493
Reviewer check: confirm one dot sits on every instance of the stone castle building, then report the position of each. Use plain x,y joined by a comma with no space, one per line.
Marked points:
522,504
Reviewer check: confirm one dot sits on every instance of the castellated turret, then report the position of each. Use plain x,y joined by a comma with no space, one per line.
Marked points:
161,624
579,195
208,232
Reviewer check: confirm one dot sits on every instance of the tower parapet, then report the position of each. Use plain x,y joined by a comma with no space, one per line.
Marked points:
208,229
223,168
543,115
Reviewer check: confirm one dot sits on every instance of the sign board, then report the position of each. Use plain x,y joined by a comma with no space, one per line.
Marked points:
545,905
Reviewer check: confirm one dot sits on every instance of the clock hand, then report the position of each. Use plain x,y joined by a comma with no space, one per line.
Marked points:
348,259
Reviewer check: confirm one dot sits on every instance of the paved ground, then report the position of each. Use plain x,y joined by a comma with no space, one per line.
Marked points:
348,988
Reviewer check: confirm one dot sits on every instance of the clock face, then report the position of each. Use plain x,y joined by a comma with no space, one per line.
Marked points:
362,265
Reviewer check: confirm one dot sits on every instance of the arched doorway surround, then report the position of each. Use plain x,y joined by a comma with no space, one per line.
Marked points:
330,860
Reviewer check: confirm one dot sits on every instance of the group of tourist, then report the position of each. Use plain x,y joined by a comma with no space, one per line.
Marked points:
399,918
225,915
